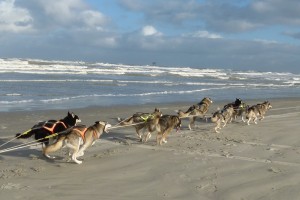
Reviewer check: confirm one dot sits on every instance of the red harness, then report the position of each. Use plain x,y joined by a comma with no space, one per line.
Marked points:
82,133
51,130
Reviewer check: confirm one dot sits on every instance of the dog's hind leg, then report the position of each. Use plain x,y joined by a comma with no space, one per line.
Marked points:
255,120
159,138
192,122
147,137
81,151
74,148
249,119
137,130
243,120
74,155
218,126
224,123
164,136
83,148
53,147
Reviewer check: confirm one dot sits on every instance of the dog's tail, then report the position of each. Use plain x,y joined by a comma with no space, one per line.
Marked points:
126,121
55,146
182,114
26,134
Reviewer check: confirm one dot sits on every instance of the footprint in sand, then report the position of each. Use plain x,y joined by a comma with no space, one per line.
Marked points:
13,186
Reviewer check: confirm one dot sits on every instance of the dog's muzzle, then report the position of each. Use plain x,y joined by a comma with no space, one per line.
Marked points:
107,127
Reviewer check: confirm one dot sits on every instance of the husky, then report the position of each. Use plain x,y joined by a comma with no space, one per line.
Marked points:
77,139
163,125
138,120
198,110
222,116
46,128
258,110
239,107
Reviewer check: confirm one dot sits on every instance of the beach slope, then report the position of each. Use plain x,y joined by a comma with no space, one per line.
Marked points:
242,162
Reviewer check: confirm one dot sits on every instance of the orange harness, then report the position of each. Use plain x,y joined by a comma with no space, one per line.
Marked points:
54,125
82,133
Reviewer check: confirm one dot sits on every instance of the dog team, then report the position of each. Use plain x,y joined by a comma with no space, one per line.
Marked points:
77,138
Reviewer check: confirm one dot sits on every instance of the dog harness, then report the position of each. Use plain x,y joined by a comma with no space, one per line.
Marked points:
146,117
82,133
51,130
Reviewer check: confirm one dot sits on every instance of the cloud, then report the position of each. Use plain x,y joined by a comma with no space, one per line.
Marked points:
203,34
295,35
13,18
63,14
170,11
263,41
93,19
150,31
218,16
169,32
231,17
73,13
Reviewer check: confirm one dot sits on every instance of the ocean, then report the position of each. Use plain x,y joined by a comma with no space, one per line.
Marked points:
31,84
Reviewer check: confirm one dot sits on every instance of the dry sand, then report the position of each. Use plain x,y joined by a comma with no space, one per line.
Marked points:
242,162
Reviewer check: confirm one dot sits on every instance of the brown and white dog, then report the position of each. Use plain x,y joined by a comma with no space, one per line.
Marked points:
258,110
239,108
78,139
138,120
222,116
198,110
163,125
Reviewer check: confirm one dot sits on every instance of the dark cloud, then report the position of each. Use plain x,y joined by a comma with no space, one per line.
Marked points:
295,35
219,15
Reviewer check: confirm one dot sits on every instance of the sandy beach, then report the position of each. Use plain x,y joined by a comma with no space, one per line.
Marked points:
242,162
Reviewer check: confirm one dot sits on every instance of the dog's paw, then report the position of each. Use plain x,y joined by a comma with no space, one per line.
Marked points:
48,156
119,119
77,161
80,154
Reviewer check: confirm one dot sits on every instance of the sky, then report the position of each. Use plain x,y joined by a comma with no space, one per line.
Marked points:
261,35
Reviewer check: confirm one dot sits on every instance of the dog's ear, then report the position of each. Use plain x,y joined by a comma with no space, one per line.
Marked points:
97,122
71,114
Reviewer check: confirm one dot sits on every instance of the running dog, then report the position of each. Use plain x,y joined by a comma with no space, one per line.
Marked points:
163,125
222,116
46,128
138,120
258,110
78,139
239,107
198,110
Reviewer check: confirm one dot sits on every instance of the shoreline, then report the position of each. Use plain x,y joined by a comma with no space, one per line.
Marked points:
90,114
242,162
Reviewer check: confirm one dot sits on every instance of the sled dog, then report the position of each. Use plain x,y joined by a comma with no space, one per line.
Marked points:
78,139
258,110
163,125
45,128
198,110
140,119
